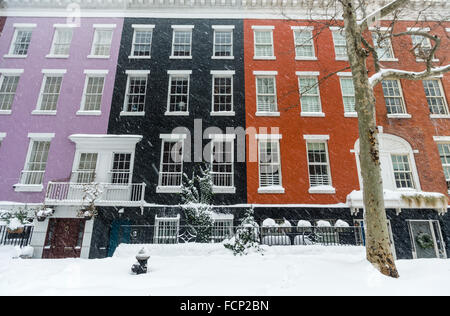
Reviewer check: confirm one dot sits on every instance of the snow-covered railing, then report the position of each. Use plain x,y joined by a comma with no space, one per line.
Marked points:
20,237
59,193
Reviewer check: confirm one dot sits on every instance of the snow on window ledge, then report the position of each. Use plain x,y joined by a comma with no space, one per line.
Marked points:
322,189
435,116
399,116
224,113
124,113
350,114
264,58
271,190
28,187
41,112
267,113
95,113
15,56
5,112
305,58
161,189
312,114
224,190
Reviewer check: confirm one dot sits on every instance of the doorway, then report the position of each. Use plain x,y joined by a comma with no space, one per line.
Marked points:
64,238
426,239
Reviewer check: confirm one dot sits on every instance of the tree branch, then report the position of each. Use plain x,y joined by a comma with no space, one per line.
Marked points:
381,13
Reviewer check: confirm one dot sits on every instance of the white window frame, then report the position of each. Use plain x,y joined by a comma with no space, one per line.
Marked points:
346,75
445,140
411,171
224,138
48,73
10,72
272,75
263,28
158,220
324,189
334,30
131,74
441,88
270,138
309,29
76,166
130,173
222,74
404,115
426,39
223,28
178,73
313,75
17,28
184,28
34,137
92,74
391,48
137,28
174,138
59,27
101,27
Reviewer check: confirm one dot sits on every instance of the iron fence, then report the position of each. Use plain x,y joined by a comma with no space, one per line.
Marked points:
20,237
272,236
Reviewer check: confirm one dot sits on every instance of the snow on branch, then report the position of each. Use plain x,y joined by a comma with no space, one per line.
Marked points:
410,75
381,13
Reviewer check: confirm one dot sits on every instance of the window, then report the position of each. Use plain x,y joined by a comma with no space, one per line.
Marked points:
222,163
348,94
340,44
33,173
266,95
166,230
86,168
21,40
121,168
61,42
393,97
318,164
269,164
263,42
383,47
101,46
8,87
444,153
304,43
171,170
309,95
178,99
136,92
435,97
182,41
142,41
421,44
222,229
48,98
223,41
93,93
402,171
222,92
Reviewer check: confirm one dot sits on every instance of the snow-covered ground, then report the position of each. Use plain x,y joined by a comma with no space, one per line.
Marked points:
212,270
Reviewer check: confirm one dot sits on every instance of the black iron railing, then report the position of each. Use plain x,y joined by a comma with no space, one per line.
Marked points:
20,237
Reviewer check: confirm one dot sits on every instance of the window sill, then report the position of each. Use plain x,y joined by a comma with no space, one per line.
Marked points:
342,58
399,116
89,113
271,190
389,59
222,57
28,187
350,114
305,58
326,189
264,58
224,190
160,189
176,114
15,56
57,56
139,57
5,112
123,113
231,113
180,57
435,116
420,60
312,114
98,57
274,114
39,112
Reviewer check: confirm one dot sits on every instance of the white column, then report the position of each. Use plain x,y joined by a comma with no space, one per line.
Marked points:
87,237
38,238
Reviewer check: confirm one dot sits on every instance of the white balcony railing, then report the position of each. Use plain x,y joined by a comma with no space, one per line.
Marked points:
59,193
32,177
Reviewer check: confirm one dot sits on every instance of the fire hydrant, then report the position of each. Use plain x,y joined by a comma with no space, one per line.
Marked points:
142,259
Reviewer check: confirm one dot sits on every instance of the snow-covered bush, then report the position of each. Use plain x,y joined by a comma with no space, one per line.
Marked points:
341,224
197,195
246,238
14,220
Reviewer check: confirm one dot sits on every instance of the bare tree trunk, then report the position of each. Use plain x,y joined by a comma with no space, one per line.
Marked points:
378,246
